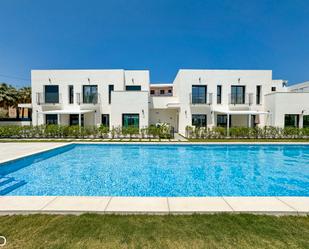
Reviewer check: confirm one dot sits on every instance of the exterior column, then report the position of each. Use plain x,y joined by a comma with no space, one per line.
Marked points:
228,125
300,121
79,119
249,120
58,118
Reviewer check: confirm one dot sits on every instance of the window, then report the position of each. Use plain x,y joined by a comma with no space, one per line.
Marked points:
152,92
110,89
133,88
105,120
130,120
222,120
199,94
258,94
291,120
169,90
162,91
306,121
51,119
71,94
199,120
273,88
74,119
90,94
219,94
52,94
238,95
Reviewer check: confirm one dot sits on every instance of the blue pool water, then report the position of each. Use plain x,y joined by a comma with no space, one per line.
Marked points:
161,170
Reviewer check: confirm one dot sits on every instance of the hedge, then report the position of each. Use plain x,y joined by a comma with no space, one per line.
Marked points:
64,131
245,132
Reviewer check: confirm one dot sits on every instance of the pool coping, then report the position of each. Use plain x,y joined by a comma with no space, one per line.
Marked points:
11,205
270,205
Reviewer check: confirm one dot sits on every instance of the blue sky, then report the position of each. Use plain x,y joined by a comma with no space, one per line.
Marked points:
159,35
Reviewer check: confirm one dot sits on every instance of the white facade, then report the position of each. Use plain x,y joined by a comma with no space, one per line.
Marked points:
248,98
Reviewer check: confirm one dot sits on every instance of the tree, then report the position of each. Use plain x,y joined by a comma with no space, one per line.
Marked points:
24,96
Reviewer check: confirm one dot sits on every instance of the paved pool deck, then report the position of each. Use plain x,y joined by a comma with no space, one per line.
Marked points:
140,205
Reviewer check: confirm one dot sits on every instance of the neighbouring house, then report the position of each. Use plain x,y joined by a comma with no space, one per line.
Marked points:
204,98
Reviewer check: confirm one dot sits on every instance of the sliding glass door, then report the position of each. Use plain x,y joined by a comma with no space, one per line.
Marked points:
130,120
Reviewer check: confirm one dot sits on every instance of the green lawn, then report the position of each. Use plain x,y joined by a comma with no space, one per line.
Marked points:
188,231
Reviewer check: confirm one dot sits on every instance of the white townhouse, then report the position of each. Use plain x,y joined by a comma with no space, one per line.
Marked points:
203,98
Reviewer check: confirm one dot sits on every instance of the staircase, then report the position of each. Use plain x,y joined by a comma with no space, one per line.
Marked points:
8,184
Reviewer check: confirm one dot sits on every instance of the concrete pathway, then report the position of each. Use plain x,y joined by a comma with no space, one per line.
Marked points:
180,138
12,151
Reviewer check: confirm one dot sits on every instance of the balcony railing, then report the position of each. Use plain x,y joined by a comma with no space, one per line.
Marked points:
163,95
89,99
241,99
201,100
50,98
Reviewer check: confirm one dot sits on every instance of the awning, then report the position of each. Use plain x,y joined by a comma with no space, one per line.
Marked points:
67,111
241,112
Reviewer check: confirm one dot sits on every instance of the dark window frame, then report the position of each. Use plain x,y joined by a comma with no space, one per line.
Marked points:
74,119
133,88
305,121
223,121
105,120
130,114
219,94
51,97
199,96
92,98
200,122
71,94
238,97
291,120
258,94
110,90
162,91
51,119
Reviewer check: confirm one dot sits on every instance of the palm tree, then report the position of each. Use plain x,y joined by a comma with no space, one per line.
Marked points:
24,96
8,95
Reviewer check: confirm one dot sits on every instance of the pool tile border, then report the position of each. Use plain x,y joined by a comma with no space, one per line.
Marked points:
153,205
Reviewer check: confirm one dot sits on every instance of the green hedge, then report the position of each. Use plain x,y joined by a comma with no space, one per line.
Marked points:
245,132
63,131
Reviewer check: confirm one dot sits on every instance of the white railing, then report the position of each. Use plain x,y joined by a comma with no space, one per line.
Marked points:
241,99
201,100
50,98
90,99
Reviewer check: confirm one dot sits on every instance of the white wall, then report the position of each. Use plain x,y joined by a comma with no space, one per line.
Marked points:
250,78
130,102
282,103
102,78
168,116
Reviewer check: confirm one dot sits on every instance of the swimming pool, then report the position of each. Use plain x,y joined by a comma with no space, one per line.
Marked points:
160,170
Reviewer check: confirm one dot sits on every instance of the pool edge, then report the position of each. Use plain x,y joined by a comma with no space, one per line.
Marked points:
270,205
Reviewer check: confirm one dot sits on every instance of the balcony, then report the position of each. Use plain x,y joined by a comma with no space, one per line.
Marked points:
241,99
49,99
92,99
161,95
163,102
201,100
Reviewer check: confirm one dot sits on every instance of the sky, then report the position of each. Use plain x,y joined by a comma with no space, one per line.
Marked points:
162,36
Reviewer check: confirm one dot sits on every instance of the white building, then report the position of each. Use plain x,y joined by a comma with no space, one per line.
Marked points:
204,98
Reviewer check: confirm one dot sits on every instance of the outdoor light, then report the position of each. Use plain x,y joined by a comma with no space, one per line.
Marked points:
89,80
49,80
